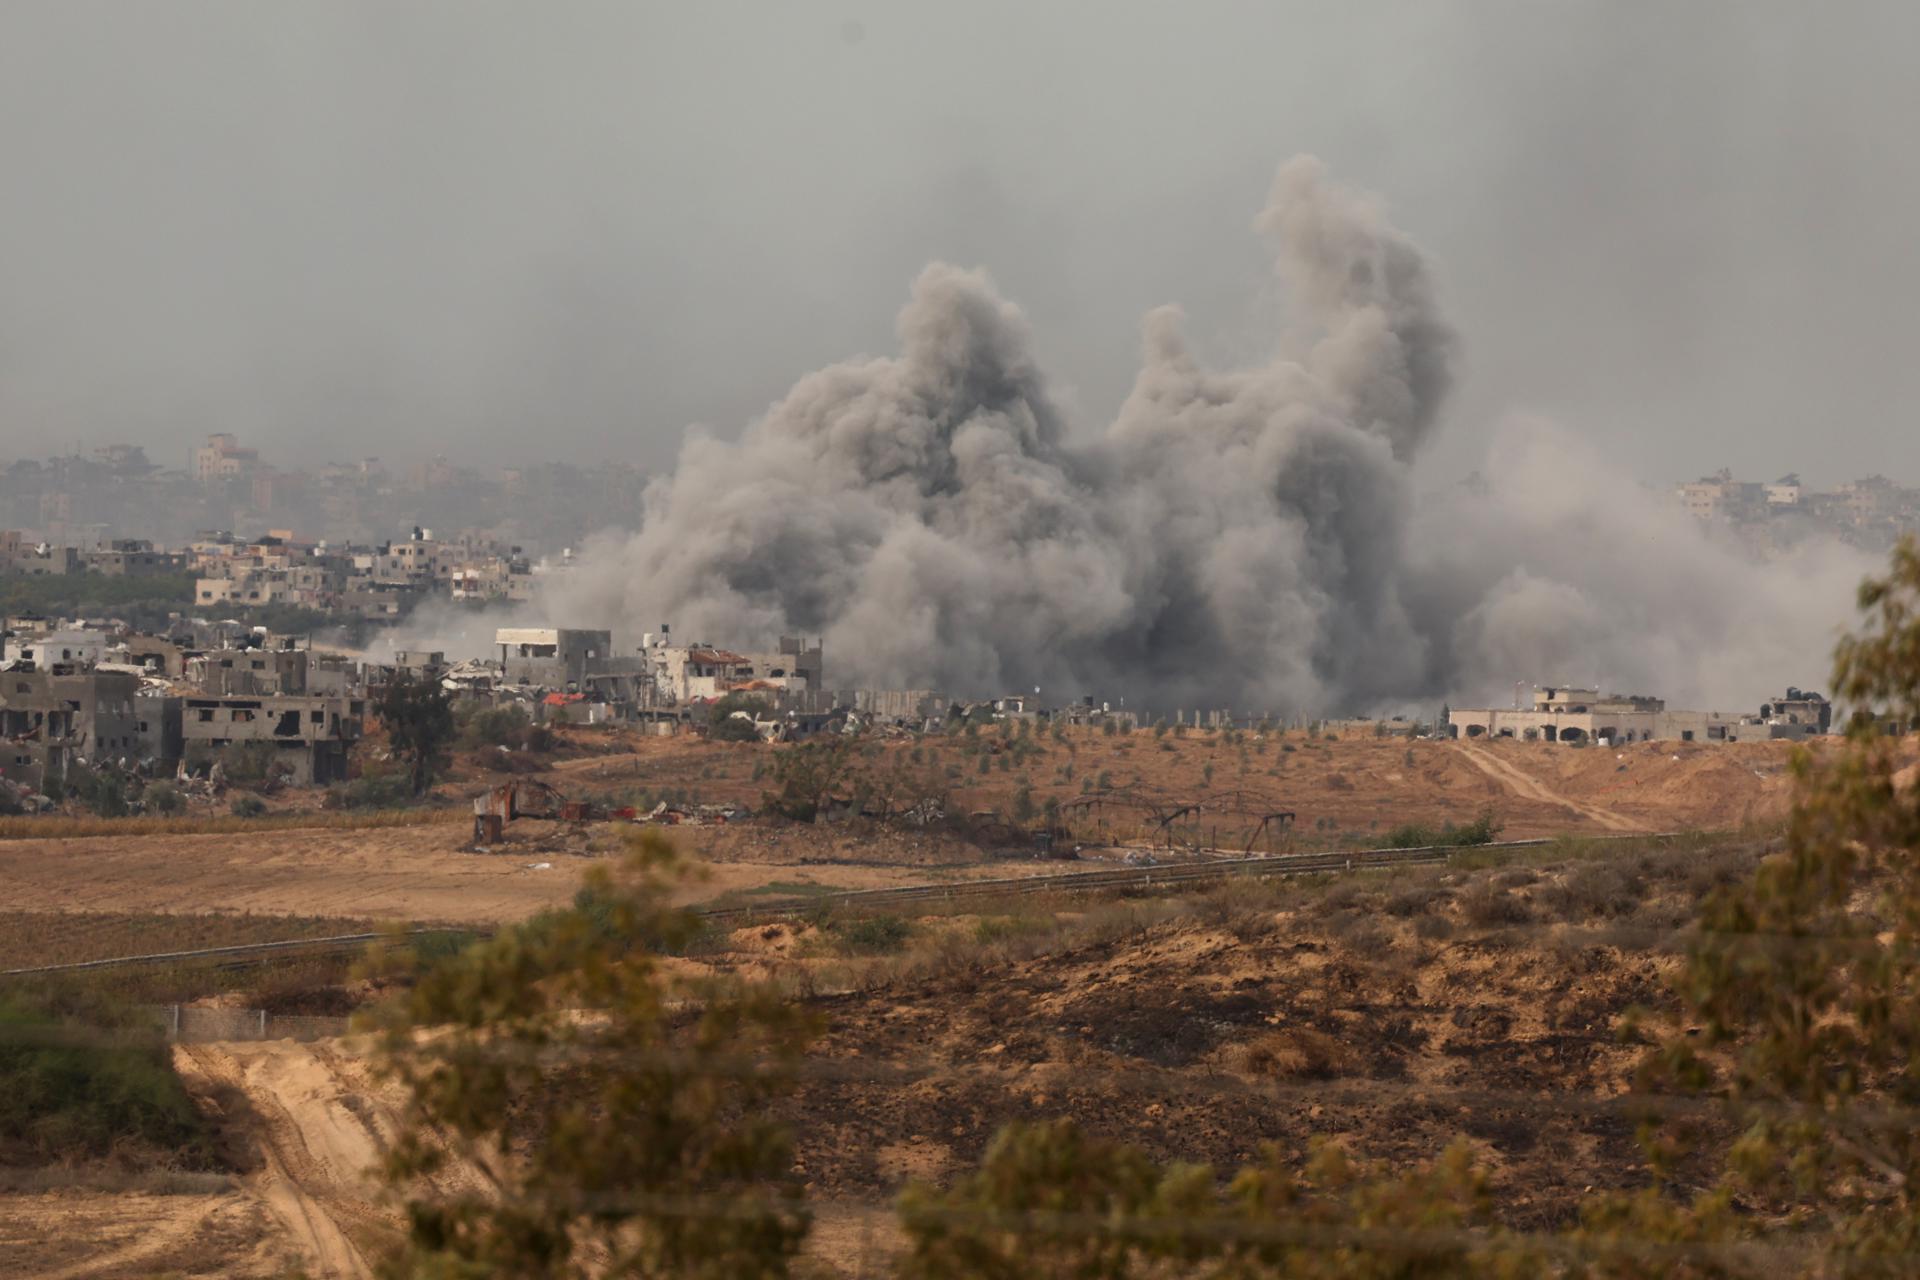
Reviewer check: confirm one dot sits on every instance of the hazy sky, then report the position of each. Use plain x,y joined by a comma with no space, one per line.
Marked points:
1686,230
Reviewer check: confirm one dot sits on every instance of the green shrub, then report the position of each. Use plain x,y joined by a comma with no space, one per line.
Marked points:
375,791
1484,829
100,791
873,935
248,807
249,764
83,1091
495,727
163,797
733,729
992,929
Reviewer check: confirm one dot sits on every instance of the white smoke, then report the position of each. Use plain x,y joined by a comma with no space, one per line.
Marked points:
1561,570
1243,538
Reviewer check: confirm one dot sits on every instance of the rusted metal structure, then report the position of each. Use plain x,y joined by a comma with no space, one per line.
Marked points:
1168,820
495,807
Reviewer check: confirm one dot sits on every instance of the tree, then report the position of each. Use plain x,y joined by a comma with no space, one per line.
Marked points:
724,726
804,776
1803,1004
102,791
418,717
1049,1201
604,1115
494,727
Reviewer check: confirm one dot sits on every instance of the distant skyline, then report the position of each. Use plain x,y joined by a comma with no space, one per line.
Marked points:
503,233
1811,476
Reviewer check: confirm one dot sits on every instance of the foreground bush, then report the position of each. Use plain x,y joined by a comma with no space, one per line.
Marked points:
1048,1202
642,1096
86,1088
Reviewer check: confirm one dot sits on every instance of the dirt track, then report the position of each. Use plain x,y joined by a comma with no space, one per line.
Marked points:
319,1127
1522,783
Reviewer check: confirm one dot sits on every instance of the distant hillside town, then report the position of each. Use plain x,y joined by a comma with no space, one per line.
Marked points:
97,496
112,493
1870,514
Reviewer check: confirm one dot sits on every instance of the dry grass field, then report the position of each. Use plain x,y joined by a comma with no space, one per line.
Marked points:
1390,1011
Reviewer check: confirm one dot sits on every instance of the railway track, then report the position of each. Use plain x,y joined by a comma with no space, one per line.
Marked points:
1118,879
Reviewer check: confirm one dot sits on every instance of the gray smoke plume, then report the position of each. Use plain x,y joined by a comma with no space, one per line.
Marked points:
1235,538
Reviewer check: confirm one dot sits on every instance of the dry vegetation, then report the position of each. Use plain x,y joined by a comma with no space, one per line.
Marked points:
72,826
1392,1011
33,938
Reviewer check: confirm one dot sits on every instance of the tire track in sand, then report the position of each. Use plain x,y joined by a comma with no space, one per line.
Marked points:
1525,785
314,1145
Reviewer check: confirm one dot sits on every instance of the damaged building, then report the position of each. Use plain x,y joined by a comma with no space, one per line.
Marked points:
51,720
790,676
310,735
1563,714
662,677
571,661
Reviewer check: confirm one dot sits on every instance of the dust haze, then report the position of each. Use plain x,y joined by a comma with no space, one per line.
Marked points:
1653,240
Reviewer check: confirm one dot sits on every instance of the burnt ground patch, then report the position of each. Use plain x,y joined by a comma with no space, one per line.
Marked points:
1166,1027
1148,1043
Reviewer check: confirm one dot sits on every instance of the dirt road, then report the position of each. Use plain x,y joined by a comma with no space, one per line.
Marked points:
1525,785
319,1125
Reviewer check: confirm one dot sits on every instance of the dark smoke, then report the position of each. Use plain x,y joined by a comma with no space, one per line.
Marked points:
1242,538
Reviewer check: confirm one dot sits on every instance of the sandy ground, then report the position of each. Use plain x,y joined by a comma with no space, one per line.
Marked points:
314,1123
73,1234
1048,1033
1340,790
1349,785
1332,1018
416,873
318,1123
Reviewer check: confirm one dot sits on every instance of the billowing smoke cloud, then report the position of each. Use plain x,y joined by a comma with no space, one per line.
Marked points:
1558,568
1241,538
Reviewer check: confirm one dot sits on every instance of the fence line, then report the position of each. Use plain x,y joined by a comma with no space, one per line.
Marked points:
198,1024
343,942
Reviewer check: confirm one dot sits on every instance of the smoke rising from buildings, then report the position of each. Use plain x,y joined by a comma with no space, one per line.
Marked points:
1243,537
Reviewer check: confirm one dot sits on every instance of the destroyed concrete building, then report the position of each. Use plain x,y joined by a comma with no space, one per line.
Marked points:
1563,714
661,679
310,735
551,657
1801,708
571,661
133,558
263,663
51,720
418,664
156,655
791,675
898,705
61,646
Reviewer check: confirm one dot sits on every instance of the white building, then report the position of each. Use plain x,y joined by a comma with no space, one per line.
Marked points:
84,648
